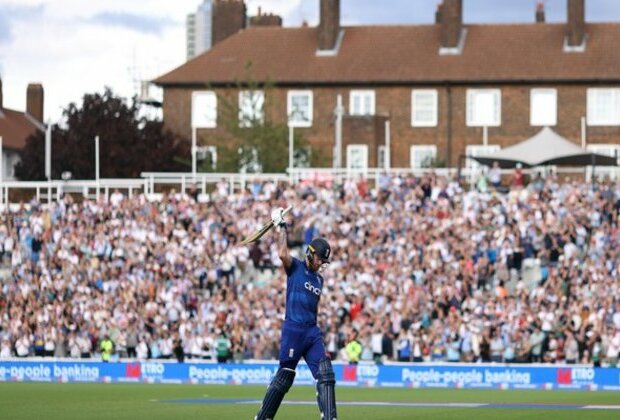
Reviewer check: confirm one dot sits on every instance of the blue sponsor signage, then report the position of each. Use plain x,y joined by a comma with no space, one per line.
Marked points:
391,375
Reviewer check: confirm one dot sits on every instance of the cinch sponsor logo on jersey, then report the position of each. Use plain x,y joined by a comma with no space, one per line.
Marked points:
313,289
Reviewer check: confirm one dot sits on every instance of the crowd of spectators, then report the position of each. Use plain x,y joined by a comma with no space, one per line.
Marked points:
424,269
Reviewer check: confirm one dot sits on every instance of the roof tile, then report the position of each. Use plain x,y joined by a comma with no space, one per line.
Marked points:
15,128
406,54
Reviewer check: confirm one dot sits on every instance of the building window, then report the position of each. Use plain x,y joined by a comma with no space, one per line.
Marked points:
251,107
357,156
543,107
478,150
204,109
9,160
424,108
362,102
603,106
381,157
484,107
206,157
299,108
303,157
249,161
612,150
423,156
603,172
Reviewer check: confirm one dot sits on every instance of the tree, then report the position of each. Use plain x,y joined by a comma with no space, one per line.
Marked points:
129,144
254,141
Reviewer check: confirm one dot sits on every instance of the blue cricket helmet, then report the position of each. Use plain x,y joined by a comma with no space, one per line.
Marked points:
319,247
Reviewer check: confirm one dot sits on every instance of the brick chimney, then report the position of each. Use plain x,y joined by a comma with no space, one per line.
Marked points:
451,23
229,17
263,19
329,26
575,28
438,13
540,12
34,101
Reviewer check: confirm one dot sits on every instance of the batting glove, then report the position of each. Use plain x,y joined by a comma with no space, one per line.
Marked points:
276,216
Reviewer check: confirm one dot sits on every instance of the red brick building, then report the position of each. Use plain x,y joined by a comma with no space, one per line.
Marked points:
17,126
446,89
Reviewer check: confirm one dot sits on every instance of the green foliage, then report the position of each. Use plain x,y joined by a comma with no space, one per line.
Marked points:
438,162
129,144
256,142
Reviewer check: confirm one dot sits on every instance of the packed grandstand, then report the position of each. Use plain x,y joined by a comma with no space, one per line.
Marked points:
424,269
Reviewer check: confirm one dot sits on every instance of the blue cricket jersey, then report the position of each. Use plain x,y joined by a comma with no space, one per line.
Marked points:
303,292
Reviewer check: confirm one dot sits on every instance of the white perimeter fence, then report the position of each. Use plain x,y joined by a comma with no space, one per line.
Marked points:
152,184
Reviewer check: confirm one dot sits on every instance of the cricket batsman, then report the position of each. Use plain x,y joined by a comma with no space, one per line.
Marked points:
301,336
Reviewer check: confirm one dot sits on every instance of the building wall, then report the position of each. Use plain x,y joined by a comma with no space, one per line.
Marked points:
190,36
394,104
214,21
203,35
365,130
198,31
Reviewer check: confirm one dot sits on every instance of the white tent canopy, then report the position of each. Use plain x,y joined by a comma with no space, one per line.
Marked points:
545,148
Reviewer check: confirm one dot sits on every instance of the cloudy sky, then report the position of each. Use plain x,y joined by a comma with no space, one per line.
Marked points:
74,47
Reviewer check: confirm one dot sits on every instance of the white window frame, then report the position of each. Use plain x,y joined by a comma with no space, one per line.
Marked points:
473,119
14,161
608,149
251,107
593,98
292,120
204,109
362,96
605,149
203,151
422,148
253,166
306,161
351,148
416,95
9,160
478,150
543,114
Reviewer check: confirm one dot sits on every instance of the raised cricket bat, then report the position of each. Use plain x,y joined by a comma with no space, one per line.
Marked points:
264,229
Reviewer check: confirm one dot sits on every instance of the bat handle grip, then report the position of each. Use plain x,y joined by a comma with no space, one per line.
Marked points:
287,210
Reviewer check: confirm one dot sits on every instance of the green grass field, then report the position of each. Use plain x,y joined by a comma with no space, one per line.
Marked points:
141,401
